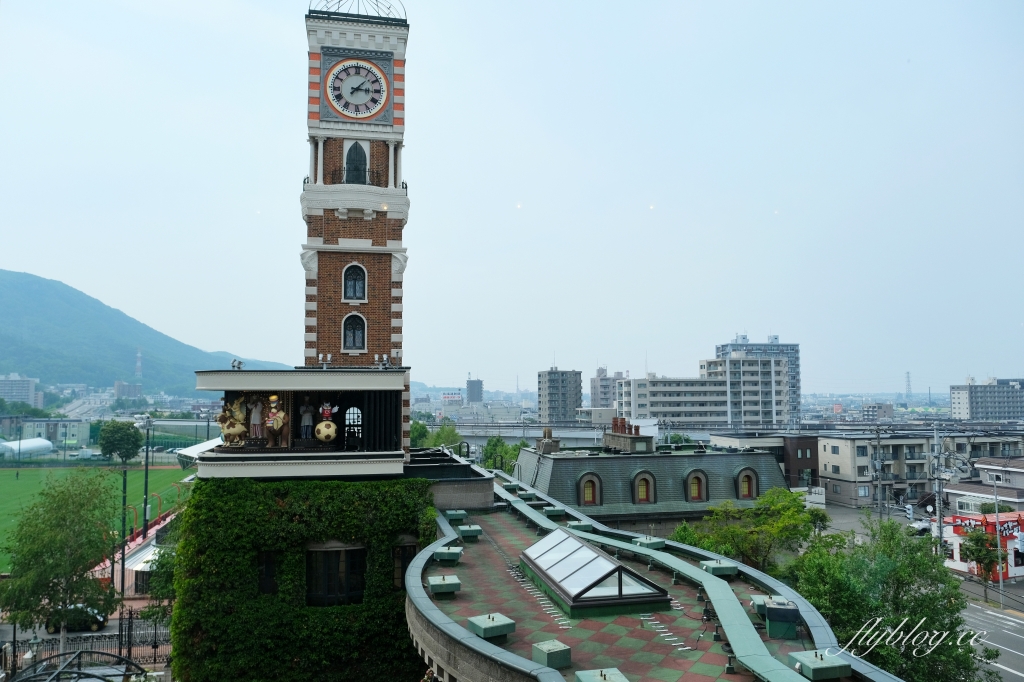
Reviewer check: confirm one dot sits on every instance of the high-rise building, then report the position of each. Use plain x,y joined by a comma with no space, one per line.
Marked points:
559,393
994,400
15,388
602,388
474,391
126,390
756,388
771,349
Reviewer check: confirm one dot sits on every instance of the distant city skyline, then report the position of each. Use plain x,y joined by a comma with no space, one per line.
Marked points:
843,176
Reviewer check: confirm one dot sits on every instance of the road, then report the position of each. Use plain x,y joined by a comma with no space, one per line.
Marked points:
1005,632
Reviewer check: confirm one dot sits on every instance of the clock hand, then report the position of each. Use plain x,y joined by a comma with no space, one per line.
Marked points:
357,87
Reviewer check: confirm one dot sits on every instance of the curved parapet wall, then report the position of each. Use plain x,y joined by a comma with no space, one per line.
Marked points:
761,664
443,643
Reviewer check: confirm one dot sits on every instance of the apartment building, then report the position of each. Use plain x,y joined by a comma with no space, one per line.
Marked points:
999,476
602,388
994,400
872,412
73,433
559,394
15,388
757,388
855,465
771,349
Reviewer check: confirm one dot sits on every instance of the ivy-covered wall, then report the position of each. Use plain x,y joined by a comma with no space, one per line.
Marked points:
223,628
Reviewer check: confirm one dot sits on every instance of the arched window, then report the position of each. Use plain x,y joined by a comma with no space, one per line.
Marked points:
355,333
355,283
355,165
353,429
747,486
589,493
696,492
643,490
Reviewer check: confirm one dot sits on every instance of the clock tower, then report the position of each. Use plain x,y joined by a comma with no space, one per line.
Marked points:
354,201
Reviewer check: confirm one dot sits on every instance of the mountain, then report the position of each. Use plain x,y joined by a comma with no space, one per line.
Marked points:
58,334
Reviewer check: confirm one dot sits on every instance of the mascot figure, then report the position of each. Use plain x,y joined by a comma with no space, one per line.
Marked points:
232,423
327,430
275,422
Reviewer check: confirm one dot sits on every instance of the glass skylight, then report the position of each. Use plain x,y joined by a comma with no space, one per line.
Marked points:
580,571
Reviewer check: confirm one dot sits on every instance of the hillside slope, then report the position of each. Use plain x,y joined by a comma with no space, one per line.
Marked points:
58,334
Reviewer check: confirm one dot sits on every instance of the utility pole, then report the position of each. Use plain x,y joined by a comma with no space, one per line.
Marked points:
145,483
999,539
937,483
878,468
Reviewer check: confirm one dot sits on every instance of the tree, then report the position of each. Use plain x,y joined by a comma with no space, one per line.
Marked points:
418,435
121,440
777,522
898,578
497,451
990,508
678,439
446,435
981,548
60,538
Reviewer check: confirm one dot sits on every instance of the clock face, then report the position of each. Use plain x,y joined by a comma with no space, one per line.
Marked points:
356,88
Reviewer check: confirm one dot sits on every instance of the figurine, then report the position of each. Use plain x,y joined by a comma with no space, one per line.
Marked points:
276,421
306,425
232,423
326,430
255,418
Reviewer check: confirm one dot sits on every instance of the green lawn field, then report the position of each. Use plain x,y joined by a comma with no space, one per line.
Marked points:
17,493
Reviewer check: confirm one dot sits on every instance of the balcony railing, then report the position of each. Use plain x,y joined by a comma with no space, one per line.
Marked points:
917,475
886,476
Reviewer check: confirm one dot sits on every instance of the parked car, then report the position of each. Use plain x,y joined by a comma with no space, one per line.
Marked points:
80,617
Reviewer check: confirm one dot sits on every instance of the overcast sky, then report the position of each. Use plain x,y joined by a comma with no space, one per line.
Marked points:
625,184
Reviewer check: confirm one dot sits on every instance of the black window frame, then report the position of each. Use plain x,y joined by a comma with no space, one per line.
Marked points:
266,572
335,577
356,276
359,327
356,165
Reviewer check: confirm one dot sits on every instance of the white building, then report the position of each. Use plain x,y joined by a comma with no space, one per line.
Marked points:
771,349
994,400
15,388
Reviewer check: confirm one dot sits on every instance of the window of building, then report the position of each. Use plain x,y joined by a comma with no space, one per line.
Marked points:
835,468
863,491
799,454
403,556
836,488
355,165
835,449
355,283
353,428
643,491
747,486
335,576
141,582
355,333
824,448
862,471
589,492
266,569
696,489
862,451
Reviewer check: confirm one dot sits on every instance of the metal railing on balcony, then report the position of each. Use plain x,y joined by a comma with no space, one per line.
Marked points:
357,176
887,476
917,475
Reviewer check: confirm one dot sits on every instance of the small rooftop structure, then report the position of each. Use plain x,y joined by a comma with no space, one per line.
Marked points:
586,581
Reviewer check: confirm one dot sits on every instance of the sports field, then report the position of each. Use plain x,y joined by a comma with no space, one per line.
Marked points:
18,493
